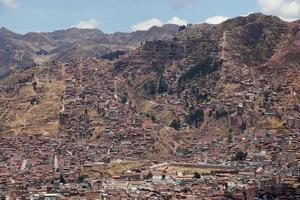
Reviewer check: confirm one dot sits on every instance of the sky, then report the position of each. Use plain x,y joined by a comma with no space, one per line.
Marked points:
110,16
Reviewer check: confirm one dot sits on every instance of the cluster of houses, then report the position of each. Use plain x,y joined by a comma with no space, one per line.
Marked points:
95,106
34,167
98,126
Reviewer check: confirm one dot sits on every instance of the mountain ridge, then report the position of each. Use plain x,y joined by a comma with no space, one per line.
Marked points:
38,48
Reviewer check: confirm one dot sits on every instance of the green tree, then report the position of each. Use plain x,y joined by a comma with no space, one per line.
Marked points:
120,136
176,124
124,100
243,126
148,176
159,69
62,179
113,55
153,118
181,28
81,179
34,85
229,137
34,100
197,175
220,113
239,156
202,69
196,117
151,88
163,86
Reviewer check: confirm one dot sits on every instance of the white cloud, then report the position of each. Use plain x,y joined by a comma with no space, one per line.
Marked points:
286,9
146,25
88,24
245,15
289,19
216,19
178,21
143,26
9,3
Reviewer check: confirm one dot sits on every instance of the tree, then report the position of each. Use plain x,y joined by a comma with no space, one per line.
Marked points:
120,136
153,118
163,86
195,117
62,179
113,55
197,175
41,52
181,28
179,150
81,179
243,126
220,113
176,124
200,70
101,111
124,100
34,85
159,69
151,88
240,156
34,100
148,176
186,190
229,138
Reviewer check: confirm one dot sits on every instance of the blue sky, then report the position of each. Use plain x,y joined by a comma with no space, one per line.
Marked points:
127,15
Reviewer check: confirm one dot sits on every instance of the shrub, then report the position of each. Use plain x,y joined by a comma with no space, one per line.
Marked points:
163,86
239,156
201,69
150,88
176,124
113,55
195,117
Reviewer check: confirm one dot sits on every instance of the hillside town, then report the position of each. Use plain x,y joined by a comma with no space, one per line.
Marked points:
105,148
177,111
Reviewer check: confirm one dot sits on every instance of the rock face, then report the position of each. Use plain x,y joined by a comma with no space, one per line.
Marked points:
23,51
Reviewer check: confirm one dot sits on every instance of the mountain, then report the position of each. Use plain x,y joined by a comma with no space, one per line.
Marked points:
238,74
75,34
155,33
13,53
211,112
236,78
22,51
4,32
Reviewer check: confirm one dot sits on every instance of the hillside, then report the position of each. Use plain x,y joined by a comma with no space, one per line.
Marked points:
237,78
242,74
25,51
